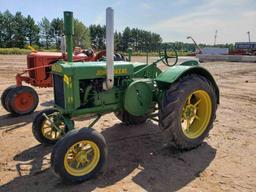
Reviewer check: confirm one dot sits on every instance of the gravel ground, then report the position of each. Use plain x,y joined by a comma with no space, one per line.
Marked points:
137,160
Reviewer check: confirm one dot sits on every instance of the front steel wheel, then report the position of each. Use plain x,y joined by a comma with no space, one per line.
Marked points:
44,131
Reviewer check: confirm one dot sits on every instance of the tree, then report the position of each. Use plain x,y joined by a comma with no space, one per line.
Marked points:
45,32
117,41
81,36
32,31
19,26
7,29
57,26
17,30
98,36
135,38
1,29
140,40
156,40
126,39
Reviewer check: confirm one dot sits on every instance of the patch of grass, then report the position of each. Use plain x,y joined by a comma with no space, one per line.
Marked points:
18,51
156,54
14,51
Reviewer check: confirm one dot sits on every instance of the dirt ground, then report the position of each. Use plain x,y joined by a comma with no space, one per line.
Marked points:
226,161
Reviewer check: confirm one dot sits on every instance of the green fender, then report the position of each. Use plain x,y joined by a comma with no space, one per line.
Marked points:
172,74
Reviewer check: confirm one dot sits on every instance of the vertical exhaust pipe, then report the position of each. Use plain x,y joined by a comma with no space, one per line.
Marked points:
110,47
69,32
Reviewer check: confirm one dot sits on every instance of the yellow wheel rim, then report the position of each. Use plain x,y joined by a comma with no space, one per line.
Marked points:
196,114
81,158
49,132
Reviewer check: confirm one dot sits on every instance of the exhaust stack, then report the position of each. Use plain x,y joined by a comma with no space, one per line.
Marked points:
110,47
69,32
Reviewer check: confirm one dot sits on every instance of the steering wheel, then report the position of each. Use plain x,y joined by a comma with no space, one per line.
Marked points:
164,56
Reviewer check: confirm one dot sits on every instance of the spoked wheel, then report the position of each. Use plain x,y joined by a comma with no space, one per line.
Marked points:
196,114
44,131
4,95
21,100
187,111
80,155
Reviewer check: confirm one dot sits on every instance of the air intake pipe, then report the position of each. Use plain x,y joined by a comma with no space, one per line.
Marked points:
109,48
69,32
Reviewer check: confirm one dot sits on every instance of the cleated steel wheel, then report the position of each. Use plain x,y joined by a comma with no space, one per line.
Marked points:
44,131
80,155
187,111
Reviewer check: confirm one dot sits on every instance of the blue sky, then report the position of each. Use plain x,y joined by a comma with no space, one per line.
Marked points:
173,20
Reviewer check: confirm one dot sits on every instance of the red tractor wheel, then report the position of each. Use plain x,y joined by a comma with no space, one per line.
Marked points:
4,95
21,100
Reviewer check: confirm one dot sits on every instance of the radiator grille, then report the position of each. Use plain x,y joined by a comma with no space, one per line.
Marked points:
31,64
58,91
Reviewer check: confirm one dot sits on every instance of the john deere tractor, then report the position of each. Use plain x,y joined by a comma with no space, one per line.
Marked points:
182,99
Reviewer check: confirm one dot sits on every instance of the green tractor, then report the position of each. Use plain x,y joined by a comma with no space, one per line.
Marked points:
182,99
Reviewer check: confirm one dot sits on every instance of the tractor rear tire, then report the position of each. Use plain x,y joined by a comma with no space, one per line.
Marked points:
4,95
79,156
130,119
21,100
187,111
41,127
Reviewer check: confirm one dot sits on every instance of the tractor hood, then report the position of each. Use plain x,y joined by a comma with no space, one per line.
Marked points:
92,70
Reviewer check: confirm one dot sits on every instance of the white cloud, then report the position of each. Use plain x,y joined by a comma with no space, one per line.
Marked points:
146,6
232,19
100,19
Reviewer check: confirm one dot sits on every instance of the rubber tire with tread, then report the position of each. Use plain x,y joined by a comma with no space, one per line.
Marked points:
61,147
130,119
171,109
119,57
11,96
4,95
37,125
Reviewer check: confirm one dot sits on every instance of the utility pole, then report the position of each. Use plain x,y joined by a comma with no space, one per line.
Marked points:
249,36
215,37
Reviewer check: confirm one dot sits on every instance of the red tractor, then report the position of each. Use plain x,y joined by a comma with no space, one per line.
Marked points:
244,48
21,100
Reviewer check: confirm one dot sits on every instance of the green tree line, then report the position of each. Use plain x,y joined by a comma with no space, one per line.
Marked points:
20,31
17,30
190,47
